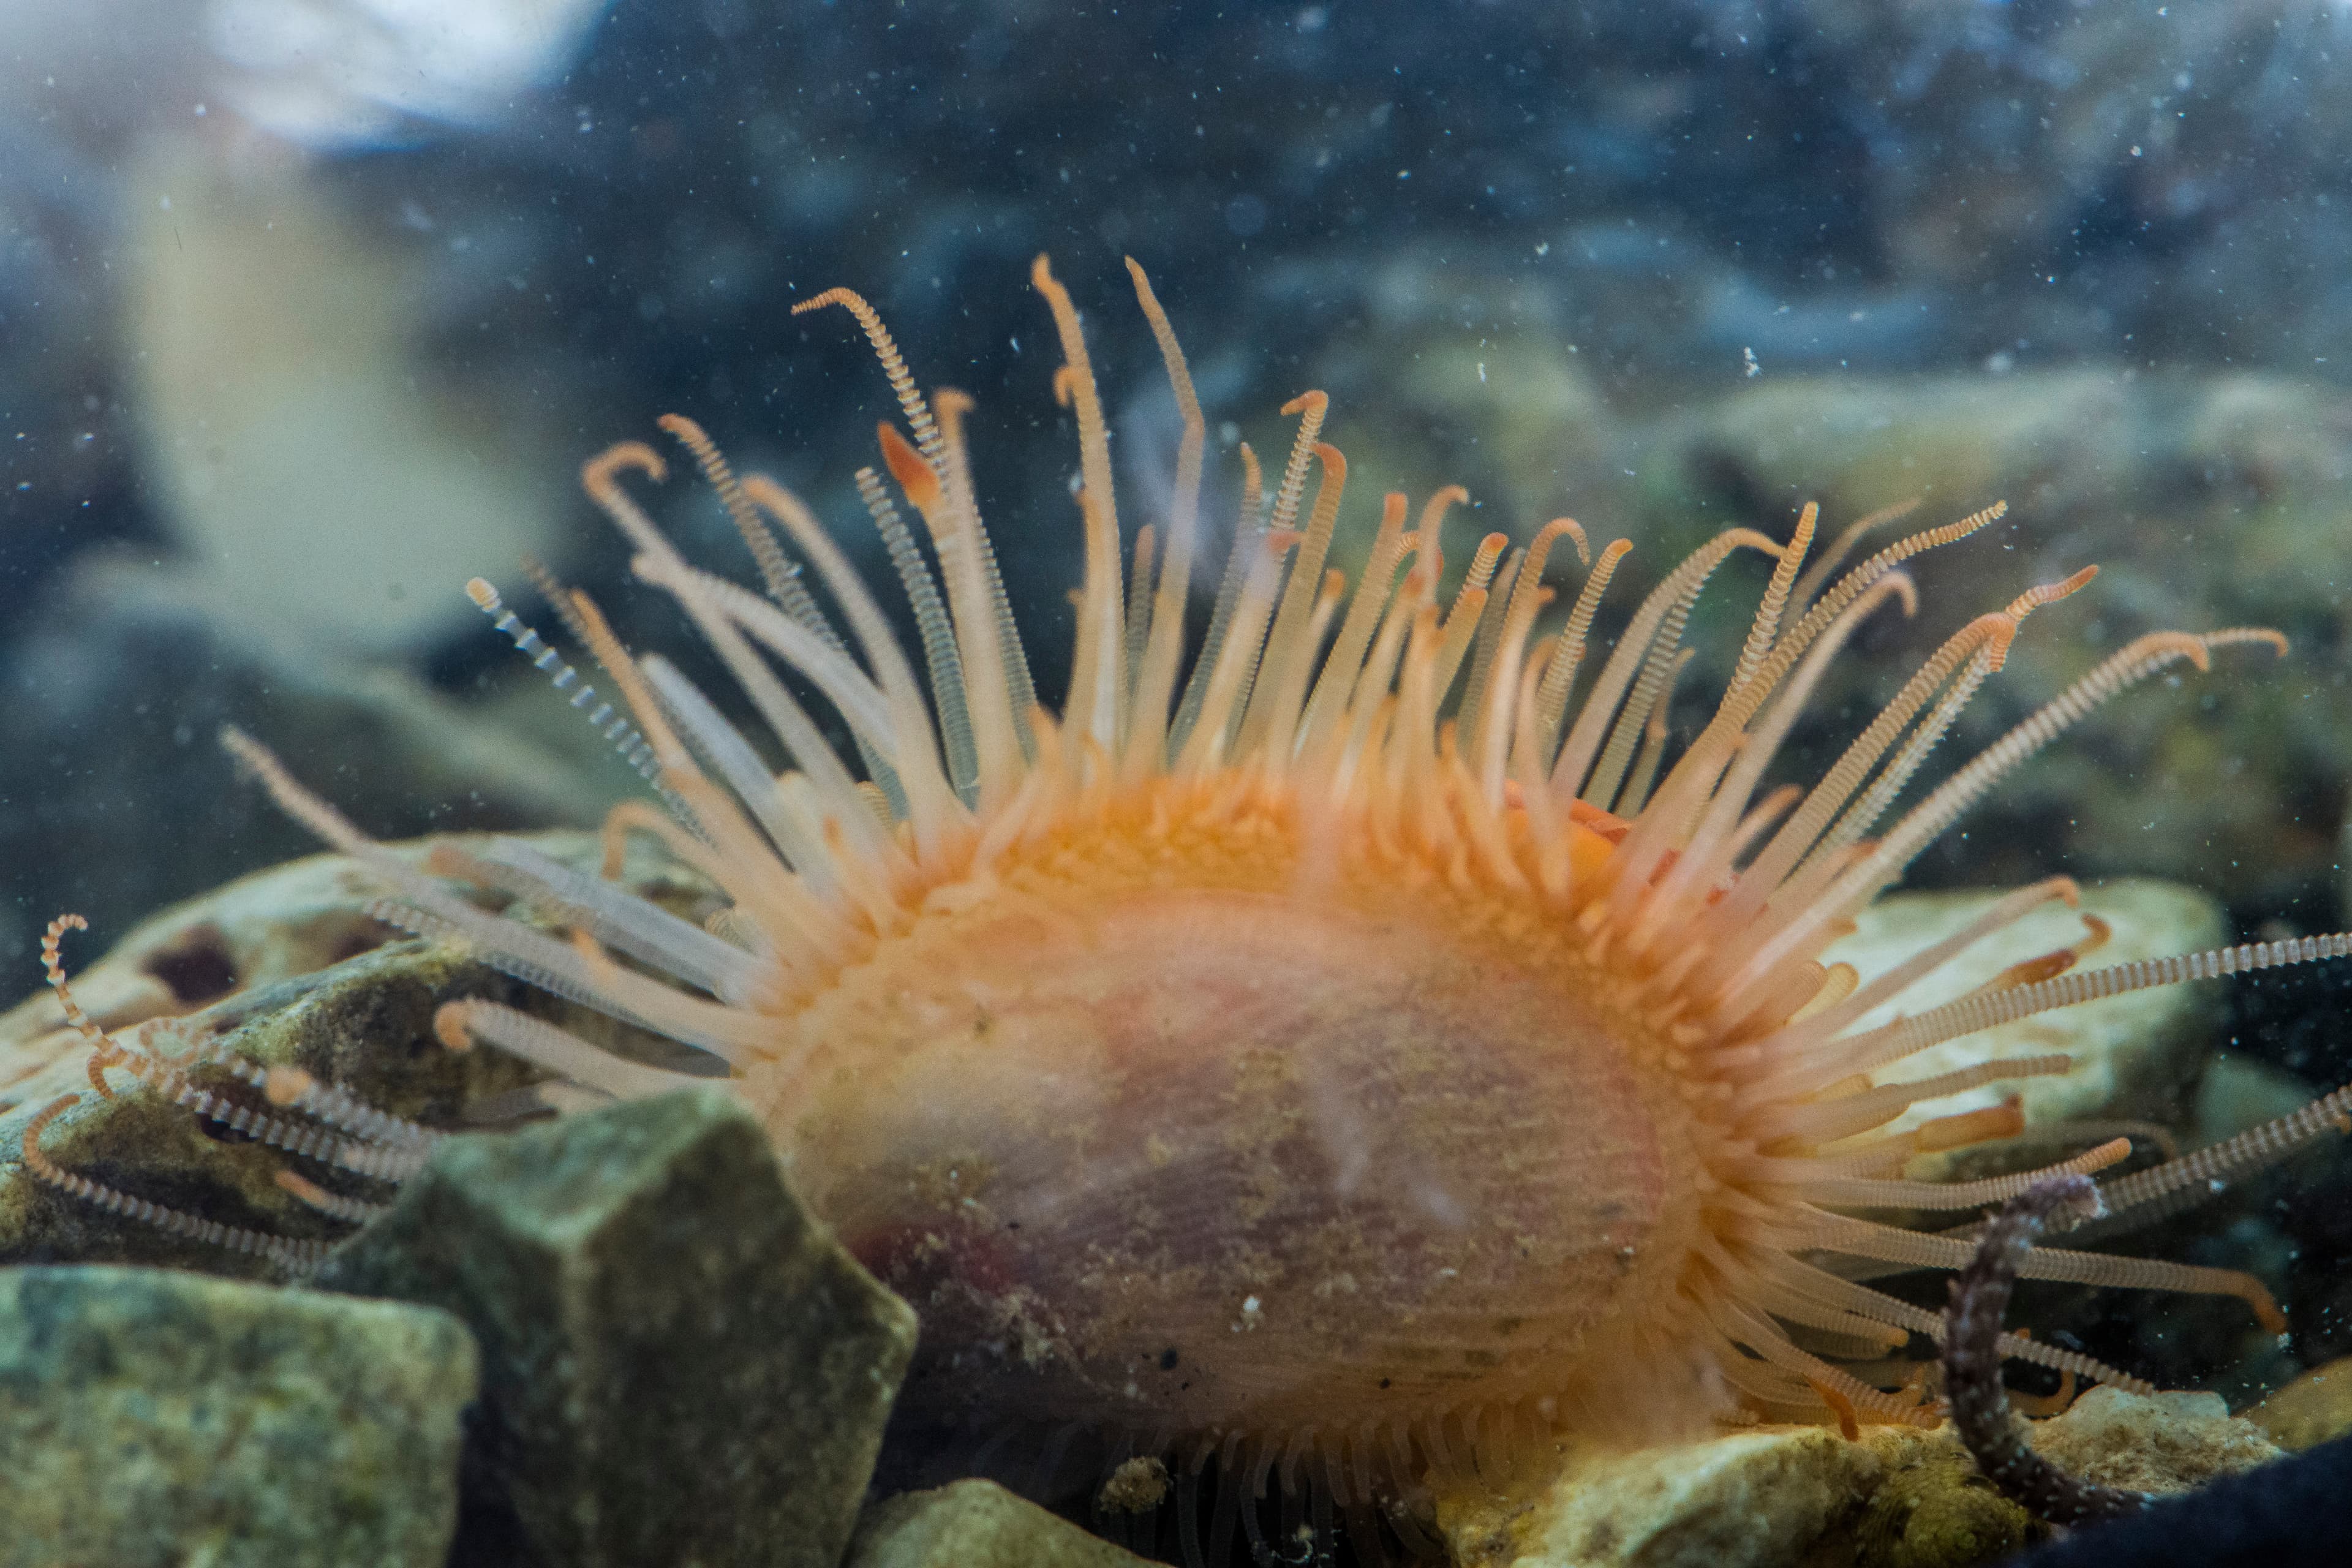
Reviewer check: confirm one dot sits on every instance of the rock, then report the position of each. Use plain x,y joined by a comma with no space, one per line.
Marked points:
2141,1068
2239,1093
2207,500
678,1363
1773,1496
1934,1510
365,1024
1745,1500
2133,1055
2315,1408
976,1524
284,967
2156,1443
1134,1486
1517,417
156,1417
1857,443
2279,1516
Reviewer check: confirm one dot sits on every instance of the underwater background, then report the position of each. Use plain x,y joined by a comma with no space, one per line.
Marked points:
310,309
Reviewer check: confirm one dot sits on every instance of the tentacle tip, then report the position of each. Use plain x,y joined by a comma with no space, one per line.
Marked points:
448,861
300,1185
449,1027
284,1084
598,475
1848,1419
2113,1152
1577,537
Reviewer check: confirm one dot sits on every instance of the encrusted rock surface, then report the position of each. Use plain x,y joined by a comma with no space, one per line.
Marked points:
976,1524
1749,1499
285,966
2279,1516
1934,1510
149,1416
371,1014
1780,1497
2157,1443
678,1363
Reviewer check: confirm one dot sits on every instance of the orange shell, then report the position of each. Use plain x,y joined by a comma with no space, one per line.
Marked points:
1179,1137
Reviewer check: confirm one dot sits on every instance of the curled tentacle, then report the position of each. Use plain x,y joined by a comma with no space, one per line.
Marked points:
1972,1360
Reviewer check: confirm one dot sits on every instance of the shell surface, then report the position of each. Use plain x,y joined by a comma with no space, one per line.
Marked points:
1235,1155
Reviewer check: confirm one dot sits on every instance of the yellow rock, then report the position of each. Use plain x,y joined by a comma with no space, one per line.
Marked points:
1803,1497
1752,1499
2315,1408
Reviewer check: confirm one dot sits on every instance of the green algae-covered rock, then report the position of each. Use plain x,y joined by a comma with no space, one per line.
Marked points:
1934,1511
679,1364
155,1417
285,967
977,1524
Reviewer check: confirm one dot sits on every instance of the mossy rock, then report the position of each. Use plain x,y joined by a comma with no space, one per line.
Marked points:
285,967
155,1417
1935,1511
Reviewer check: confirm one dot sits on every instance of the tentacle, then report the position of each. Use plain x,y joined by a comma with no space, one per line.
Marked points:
1972,1363
293,1256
